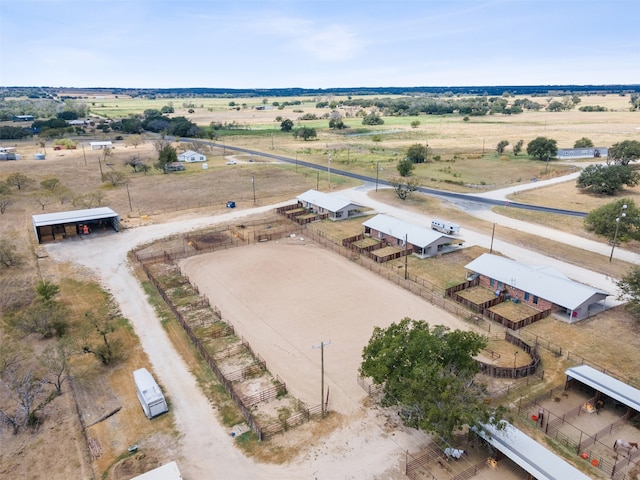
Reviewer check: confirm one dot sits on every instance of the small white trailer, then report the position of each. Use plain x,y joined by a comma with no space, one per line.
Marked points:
445,227
149,393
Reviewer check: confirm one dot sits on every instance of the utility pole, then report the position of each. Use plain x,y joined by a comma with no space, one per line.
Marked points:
253,184
329,172
406,256
615,236
377,170
493,232
321,347
318,180
129,197
84,155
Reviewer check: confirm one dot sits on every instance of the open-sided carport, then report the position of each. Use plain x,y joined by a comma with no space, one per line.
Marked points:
52,226
605,385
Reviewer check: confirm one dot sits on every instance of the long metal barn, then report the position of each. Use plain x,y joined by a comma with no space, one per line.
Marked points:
59,225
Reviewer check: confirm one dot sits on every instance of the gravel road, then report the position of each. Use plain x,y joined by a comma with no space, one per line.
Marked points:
207,450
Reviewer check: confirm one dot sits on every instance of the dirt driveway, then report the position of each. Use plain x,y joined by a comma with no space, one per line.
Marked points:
364,447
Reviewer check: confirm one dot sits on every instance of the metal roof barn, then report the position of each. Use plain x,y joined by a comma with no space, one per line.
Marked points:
51,226
168,471
611,387
534,458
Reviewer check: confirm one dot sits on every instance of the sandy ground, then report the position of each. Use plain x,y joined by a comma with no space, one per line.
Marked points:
286,297
363,449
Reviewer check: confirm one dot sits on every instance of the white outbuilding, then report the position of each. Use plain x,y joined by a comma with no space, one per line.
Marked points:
191,157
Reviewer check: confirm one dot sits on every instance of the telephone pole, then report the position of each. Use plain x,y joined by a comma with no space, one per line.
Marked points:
321,347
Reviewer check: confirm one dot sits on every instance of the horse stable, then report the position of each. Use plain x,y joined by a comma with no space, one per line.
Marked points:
60,225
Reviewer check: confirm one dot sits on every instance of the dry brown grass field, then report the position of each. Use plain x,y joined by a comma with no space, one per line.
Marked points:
467,151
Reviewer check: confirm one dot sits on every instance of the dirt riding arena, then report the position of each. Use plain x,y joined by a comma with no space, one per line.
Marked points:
287,297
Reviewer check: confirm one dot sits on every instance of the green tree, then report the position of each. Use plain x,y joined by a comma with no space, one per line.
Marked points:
602,220
50,184
417,153
19,180
629,286
607,179
429,372
502,144
555,106
109,349
405,167
415,124
623,152
286,125
517,148
584,142
114,177
372,119
47,290
5,189
166,156
305,133
542,148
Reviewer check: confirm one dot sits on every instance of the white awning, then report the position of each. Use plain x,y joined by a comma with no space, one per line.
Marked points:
531,456
72,216
611,387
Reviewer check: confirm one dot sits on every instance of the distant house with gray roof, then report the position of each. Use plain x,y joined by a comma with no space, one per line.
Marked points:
334,206
541,287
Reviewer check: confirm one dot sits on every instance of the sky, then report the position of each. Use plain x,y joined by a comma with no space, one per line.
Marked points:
318,43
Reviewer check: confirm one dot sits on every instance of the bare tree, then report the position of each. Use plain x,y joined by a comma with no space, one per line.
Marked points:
43,200
404,186
5,201
134,140
115,177
63,194
22,389
56,361
8,254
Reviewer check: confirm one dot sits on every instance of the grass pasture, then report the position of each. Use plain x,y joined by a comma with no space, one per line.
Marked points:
467,156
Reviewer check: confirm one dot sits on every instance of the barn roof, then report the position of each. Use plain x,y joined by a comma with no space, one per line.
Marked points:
188,153
537,460
415,235
332,203
606,384
542,281
73,216
168,471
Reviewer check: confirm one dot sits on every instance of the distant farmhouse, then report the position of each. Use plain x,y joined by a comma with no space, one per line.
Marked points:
100,145
190,156
592,152
23,118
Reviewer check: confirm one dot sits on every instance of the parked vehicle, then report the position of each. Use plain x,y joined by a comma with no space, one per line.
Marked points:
230,162
445,227
231,204
149,393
